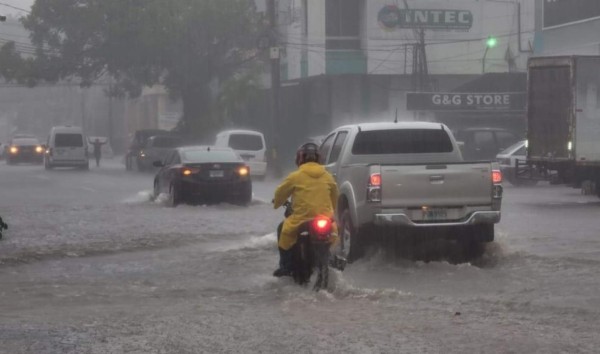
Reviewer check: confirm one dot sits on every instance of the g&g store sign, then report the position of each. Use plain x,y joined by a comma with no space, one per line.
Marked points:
439,101
391,17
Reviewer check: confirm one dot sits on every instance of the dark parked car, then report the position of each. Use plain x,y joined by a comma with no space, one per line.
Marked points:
483,143
157,149
203,174
24,150
138,143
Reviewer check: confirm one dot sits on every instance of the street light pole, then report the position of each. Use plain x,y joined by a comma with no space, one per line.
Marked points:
491,42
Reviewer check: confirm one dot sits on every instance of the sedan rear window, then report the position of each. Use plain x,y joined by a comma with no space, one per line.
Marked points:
68,140
401,141
245,142
204,156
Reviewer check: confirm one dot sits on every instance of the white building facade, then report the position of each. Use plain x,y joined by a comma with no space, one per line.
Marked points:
378,36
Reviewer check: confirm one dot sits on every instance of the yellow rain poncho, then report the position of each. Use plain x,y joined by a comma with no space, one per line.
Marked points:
313,192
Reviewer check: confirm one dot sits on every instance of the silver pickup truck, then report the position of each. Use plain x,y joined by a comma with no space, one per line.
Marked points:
411,175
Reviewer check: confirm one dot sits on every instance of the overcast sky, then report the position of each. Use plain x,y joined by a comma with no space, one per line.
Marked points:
7,7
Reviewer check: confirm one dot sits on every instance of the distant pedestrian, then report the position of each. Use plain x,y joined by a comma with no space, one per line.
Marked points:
3,226
97,150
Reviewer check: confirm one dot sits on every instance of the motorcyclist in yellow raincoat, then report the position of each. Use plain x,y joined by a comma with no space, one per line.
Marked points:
313,192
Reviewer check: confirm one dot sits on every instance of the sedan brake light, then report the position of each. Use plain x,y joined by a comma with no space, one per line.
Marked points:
244,171
187,171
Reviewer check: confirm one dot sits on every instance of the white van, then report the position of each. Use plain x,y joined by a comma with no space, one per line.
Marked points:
251,147
66,147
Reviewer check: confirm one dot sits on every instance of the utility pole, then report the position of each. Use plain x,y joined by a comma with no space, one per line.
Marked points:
83,110
110,111
274,55
420,70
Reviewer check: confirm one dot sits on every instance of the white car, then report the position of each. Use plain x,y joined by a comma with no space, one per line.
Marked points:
66,147
507,159
251,147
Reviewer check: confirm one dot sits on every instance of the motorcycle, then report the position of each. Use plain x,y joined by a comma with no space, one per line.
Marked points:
312,251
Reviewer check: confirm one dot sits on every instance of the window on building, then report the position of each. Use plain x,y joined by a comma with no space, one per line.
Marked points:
342,24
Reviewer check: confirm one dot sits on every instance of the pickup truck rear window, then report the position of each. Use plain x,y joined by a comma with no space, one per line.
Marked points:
401,141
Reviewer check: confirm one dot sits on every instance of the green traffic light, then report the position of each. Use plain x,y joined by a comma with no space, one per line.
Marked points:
491,42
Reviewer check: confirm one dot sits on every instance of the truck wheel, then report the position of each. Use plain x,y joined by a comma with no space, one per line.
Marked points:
351,244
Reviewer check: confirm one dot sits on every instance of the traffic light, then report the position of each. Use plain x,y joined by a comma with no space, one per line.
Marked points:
491,42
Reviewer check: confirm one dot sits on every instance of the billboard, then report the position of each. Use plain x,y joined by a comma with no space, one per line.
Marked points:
394,20
561,12
461,102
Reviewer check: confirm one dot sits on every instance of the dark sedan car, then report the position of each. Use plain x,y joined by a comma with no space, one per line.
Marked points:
24,150
203,174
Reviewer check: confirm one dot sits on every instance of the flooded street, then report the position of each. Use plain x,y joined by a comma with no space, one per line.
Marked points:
91,264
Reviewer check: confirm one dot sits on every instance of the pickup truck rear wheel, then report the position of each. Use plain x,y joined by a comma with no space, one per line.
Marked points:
351,244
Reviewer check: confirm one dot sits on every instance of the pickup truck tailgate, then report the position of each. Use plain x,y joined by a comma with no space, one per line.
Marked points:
436,185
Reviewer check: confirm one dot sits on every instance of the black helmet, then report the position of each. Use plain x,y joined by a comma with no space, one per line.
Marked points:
308,152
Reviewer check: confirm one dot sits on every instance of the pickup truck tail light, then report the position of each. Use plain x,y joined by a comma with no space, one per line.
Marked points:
497,189
374,188
496,176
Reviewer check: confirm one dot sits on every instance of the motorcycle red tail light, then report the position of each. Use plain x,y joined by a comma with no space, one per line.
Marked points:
322,225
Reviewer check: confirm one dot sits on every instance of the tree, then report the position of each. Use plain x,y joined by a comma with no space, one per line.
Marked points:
184,45
235,94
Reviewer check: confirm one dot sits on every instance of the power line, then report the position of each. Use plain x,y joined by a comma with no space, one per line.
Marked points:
15,8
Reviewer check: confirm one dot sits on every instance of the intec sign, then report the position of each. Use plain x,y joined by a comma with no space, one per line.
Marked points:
391,17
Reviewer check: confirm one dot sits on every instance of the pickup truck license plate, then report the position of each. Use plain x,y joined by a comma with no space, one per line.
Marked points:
434,214
216,173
